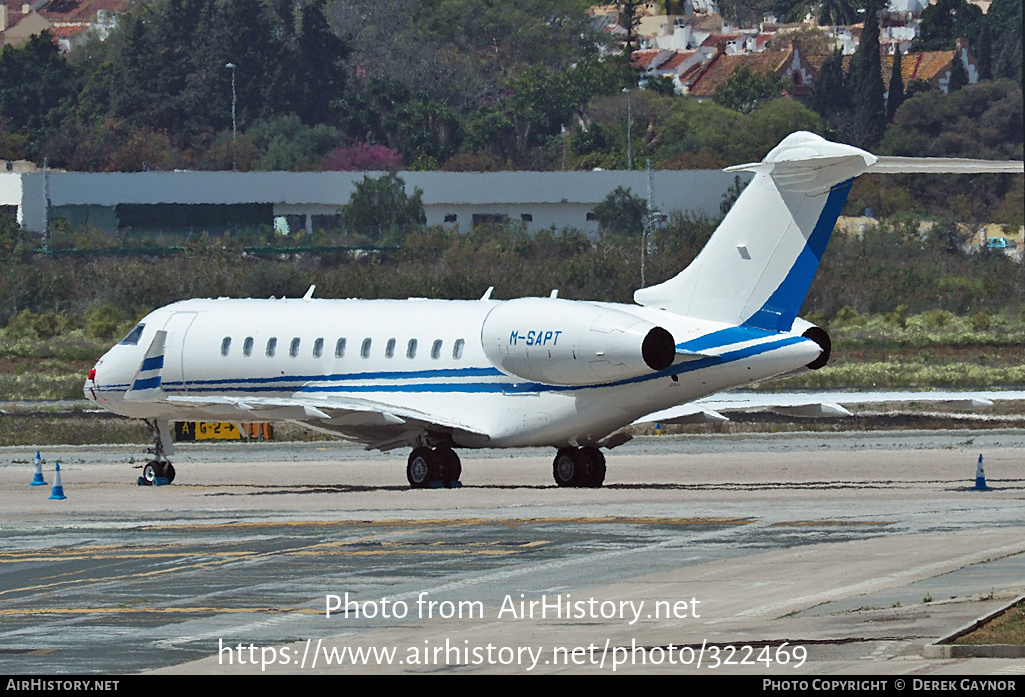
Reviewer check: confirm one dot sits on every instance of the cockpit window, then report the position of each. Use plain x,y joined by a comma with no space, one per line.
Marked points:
132,339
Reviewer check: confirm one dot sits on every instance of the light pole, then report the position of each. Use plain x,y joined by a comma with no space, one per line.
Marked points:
234,130
654,218
629,131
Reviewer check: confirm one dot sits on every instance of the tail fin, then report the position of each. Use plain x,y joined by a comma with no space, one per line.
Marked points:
757,267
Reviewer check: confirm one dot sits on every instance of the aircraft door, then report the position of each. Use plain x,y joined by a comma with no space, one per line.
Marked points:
174,376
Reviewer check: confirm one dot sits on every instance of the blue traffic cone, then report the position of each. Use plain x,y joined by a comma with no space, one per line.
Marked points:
980,478
58,490
38,479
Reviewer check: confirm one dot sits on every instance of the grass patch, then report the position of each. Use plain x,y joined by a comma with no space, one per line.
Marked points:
1008,628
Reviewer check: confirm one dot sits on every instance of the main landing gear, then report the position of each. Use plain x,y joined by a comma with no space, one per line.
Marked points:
159,466
428,465
579,467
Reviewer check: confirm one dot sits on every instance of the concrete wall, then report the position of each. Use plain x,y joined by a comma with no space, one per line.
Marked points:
550,198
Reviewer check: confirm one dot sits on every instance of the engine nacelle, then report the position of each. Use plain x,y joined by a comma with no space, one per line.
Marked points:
567,342
819,336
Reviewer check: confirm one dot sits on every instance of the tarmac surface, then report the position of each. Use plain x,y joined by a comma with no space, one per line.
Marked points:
784,555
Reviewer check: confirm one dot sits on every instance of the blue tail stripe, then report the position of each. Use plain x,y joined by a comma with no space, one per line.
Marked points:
780,310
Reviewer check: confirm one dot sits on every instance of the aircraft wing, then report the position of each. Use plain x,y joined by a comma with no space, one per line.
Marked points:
379,426
814,404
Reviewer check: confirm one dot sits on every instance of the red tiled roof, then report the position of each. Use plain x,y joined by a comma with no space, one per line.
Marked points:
927,65
723,66
642,59
678,58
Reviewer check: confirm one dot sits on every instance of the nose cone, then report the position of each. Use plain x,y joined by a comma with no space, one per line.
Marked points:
91,384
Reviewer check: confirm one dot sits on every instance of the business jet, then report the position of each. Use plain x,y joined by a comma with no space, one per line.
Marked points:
437,375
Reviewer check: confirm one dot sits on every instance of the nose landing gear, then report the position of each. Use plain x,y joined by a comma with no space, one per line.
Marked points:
159,466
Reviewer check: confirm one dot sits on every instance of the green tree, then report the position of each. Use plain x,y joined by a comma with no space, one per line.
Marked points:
621,213
826,12
316,66
34,79
958,75
865,82
829,94
745,91
1005,29
895,96
380,209
15,241
945,22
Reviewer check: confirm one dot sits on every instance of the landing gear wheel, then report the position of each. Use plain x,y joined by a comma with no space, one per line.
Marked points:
155,469
596,475
567,467
579,467
151,471
451,468
422,468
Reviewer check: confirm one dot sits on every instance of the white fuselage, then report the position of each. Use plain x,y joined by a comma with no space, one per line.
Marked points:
427,356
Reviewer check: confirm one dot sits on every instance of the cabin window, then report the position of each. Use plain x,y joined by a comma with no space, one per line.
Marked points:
247,347
272,346
436,349
225,345
389,349
340,348
411,349
365,349
318,348
457,349
132,338
293,349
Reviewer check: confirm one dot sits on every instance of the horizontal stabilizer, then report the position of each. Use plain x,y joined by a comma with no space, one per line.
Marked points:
943,165
814,410
683,414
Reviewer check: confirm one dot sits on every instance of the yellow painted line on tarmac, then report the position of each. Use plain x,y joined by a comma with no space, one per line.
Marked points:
127,555
441,522
407,552
216,560
825,523
156,610
221,558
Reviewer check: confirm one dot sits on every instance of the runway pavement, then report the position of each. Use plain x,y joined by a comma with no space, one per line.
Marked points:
786,554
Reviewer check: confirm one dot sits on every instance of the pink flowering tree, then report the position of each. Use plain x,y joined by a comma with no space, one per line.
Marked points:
361,157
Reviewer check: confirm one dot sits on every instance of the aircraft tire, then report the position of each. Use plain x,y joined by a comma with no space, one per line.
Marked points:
568,467
169,472
151,471
595,476
422,468
449,464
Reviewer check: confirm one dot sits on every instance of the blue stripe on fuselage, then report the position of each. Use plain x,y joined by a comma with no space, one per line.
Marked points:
498,387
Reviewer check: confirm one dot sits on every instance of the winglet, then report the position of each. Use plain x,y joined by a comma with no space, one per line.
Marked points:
146,384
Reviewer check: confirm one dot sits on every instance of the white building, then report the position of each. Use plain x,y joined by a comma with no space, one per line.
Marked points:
197,201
